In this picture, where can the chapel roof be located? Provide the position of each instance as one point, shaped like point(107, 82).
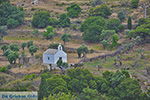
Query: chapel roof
point(51, 51)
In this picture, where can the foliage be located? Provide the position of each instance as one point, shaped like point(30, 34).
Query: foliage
point(29, 77)
point(122, 15)
point(2, 1)
point(64, 20)
point(11, 16)
point(3, 69)
point(80, 82)
point(113, 24)
point(30, 43)
point(134, 3)
point(53, 22)
point(102, 10)
point(90, 94)
point(66, 38)
point(23, 45)
point(49, 34)
point(115, 39)
point(73, 10)
point(92, 28)
point(143, 30)
point(61, 96)
point(4, 48)
point(59, 62)
point(14, 47)
point(107, 34)
point(33, 49)
point(82, 50)
point(129, 23)
point(12, 56)
point(40, 19)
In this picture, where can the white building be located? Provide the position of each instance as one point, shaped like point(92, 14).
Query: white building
point(51, 56)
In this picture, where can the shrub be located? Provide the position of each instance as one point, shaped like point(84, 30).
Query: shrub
point(134, 3)
point(40, 19)
point(113, 24)
point(129, 23)
point(92, 28)
point(122, 15)
point(64, 20)
point(102, 10)
point(96, 2)
point(53, 22)
point(11, 16)
point(29, 77)
point(3, 69)
point(73, 10)
point(49, 34)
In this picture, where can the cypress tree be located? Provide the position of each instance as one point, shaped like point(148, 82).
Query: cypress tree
point(129, 23)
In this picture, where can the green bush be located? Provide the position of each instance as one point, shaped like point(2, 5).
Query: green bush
point(122, 15)
point(92, 28)
point(3, 69)
point(64, 20)
point(11, 16)
point(29, 77)
point(73, 10)
point(102, 10)
point(113, 24)
point(134, 3)
point(40, 19)
point(129, 23)
point(53, 22)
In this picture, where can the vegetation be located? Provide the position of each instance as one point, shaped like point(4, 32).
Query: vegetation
point(64, 20)
point(82, 50)
point(83, 85)
point(102, 10)
point(134, 3)
point(40, 19)
point(11, 16)
point(74, 10)
point(49, 34)
point(129, 23)
point(33, 49)
point(66, 38)
point(92, 28)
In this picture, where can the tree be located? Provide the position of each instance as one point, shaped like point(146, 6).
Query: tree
point(107, 34)
point(61, 96)
point(4, 48)
point(105, 43)
point(66, 38)
point(23, 45)
point(33, 49)
point(73, 10)
point(53, 22)
point(122, 15)
point(14, 47)
point(134, 3)
point(113, 24)
point(115, 39)
point(82, 50)
point(11, 15)
point(90, 94)
point(102, 10)
point(30, 43)
point(128, 89)
point(41, 19)
point(49, 34)
point(12, 23)
point(12, 57)
point(64, 20)
point(92, 28)
point(129, 23)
